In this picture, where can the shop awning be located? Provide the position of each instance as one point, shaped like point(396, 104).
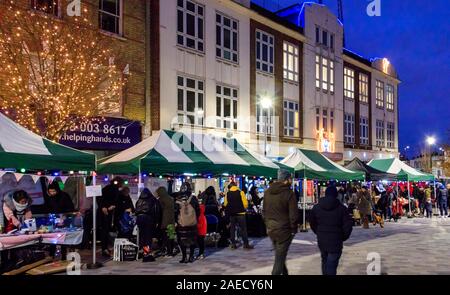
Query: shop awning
point(371, 173)
point(313, 165)
point(403, 171)
point(170, 152)
point(21, 148)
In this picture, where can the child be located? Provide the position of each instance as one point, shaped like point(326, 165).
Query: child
point(429, 207)
point(202, 229)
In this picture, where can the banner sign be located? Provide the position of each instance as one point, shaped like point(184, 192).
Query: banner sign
point(103, 133)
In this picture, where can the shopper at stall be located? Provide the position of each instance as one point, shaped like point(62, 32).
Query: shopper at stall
point(280, 215)
point(254, 195)
point(187, 211)
point(148, 217)
point(442, 200)
point(364, 206)
point(123, 212)
point(390, 196)
point(107, 204)
point(235, 207)
point(211, 204)
point(333, 225)
point(167, 220)
point(202, 227)
point(57, 201)
point(16, 209)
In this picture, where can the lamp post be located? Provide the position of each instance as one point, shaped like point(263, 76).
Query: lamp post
point(431, 140)
point(266, 104)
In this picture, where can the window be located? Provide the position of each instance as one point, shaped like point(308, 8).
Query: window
point(227, 32)
point(390, 130)
point(317, 71)
point(331, 121)
point(290, 62)
point(380, 133)
point(364, 131)
point(332, 41)
point(325, 120)
point(264, 116)
point(291, 119)
point(226, 107)
point(317, 34)
point(324, 74)
point(46, 6)
point(317, 119)
point(264, 52)
point(379, 94)
point(190, 22)
point(109, 13)
point(389, 97)
point(190, 101)
point(349, 83)
point(325, 38)
point(349, 128)
point(363, 88)
point(331, 76)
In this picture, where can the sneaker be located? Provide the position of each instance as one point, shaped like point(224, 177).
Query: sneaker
point(148, 258)
point(191, 259)
point(249, 247)
point(200, 257)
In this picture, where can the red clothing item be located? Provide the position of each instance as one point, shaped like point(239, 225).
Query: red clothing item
point(201, 224)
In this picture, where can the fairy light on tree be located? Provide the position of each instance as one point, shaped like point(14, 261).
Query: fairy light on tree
point(52, 71)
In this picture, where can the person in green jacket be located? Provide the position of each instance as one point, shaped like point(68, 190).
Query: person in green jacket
point(167, 220)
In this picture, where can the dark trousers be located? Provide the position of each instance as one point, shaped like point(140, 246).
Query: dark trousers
point(281, 247)
point(443, 207)
point(429, 210)
point(184, 250)
point(330, 262)
point(238, 220)
point(106, 228)
point(167, 244)
point(201, 245)
point(147, 230)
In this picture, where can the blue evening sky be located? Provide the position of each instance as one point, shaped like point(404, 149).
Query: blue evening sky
point(414, 35)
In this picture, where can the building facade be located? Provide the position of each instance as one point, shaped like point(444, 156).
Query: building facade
point(221, 62)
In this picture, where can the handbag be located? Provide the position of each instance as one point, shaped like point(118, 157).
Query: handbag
point(356, 214)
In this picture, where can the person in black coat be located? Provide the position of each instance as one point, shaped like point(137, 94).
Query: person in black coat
point(107, 205)
point(148, 213)
point(57, 201)
point(124, 206)
point(333, 225)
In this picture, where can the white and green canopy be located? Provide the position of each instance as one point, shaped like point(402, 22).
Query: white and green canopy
point(311, 164)
point(402, 170)
point(21, 148)
point(170, 152)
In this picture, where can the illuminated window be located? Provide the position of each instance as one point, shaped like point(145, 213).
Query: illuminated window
point(380, 133)
point(264, 52)
point(325, 74)
point(264, 116)
point(349, 83)
point(331, 76)
point(109, 13)
point(226, 107)
point(46, 6)
point(389, 97)
point(390, 134)
point(190, 101)
point(290, 62)
point(190, 25)
point(291, 119)
point(379, 94)
point(349, 128)
point(364, 131)
point(227, 38)
point(317, 71)
point(363, 88)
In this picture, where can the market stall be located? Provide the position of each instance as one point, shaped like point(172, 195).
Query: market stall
point(371, 173)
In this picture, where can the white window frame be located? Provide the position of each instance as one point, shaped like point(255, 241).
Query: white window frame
point(364, 131)
point(349, 128)
point(222, 121)
point(291, 111)
point(318, 73)
point(390, 97)
point(363, 88)
point(270, 44)
point(199, 41)
point(261, 117)
point(233, 50)
point(379, 94)
point(331, 63)
point(324, 74)
point(390, 135)
point(349, 83)
point(199, 109)
point(118, 17)
point(380, 142)
point(290, 62)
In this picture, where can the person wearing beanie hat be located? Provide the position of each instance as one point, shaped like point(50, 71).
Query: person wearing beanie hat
point(333, 225)
point(280, 215)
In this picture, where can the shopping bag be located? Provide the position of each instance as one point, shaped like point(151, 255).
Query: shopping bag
point(356, 214)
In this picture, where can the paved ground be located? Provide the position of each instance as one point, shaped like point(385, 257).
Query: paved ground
point(411, 246)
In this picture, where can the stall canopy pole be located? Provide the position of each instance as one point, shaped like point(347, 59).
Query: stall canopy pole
point(435, 197)
point(305, 181)
point(139, 181)
point(94, 264)
point(409, 199)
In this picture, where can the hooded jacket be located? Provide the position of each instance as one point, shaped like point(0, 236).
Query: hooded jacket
point(59, 203)
point(148, 205)
point(280, 211)
point(235, 202)
point(12, 216)
point(331, 223)
point(202, 225)
point(167, 207)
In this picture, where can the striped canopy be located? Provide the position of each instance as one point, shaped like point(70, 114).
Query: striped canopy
point(311, 164)
point(170, 152)
point(21, 148)
point(402, 170)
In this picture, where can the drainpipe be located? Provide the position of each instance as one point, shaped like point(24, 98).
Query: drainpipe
point(148, 118)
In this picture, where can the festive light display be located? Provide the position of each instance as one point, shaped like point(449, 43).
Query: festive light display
point(53, 70)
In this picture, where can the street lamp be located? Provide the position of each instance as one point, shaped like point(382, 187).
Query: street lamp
point(266, 104)
point(431, 140)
